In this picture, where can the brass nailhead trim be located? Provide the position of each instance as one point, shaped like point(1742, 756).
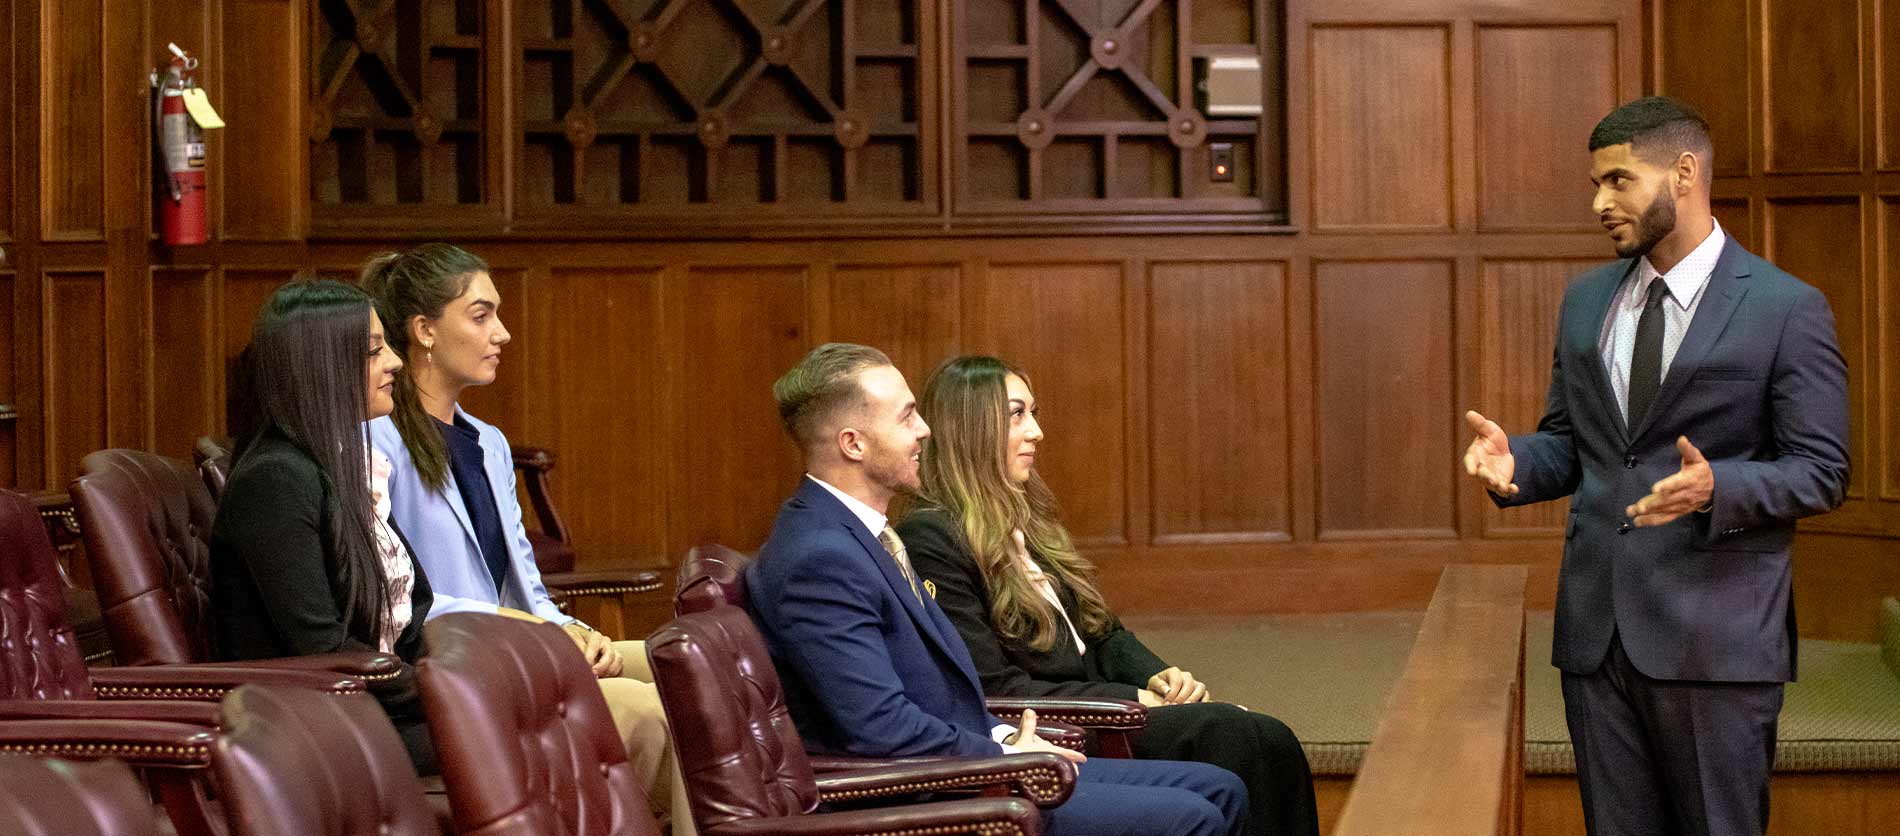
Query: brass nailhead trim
point(618, 589)
point(988, 828)
point(1094, 721)
point(184, 692)
point(109, 750)
point(1039, 784)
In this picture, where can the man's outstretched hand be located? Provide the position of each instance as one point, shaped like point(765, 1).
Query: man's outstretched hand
point(1689, 490)
point(1489, 457)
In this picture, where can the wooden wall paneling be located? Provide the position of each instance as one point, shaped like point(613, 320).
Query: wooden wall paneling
point(1383, 383)
point(910, 312)
point(599, 403)
point(72, 140)
point(1736, 218)
point(8, 57)
point(1812, 108)
point(1517, 323)
point(187, 368)
point(262, 180)
point(127, 130)
point(1888, 306)
point(741, 327)
point(1818, 240)
point(1887, 76)
point(1380, 128)
point(1530, 152)
point(75, 374)
point(1218, 402)
point(1064, 324)
point(10, 407)
point(1700, 50)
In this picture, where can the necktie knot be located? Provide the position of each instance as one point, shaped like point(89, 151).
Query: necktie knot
point(1657, 290)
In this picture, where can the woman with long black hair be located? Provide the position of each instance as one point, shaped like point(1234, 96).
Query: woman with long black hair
point(304, 558)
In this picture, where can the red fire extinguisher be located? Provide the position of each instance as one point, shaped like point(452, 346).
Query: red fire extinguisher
point(183, 115)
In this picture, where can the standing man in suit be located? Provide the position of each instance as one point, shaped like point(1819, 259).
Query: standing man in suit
point(870, 666)
point(1697, 408)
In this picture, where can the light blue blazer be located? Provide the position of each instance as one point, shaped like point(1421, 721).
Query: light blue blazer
point(443, 539)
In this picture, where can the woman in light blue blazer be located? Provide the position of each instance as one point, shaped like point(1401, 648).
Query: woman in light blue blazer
point(452, 485)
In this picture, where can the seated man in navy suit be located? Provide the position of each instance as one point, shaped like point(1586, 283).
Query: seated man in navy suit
point(871, 667)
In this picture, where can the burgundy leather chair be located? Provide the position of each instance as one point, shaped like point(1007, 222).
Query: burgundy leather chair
point(291, 762)
point(747, 772)
point(43, 677)
point(523, 734)
point(553, 549)
point(714, 576)
point(147, 520)
point(47, 797)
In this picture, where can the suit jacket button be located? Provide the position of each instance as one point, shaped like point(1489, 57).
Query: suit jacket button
point(1624, 528)
point(1629, 462)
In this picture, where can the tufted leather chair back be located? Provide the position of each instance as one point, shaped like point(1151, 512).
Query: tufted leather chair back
point(523, 734)
point(146, 520)
point(737, 747)
point(39, 655)
point(299, 761)
point(214, 464)
point(710, 576)
point(47, 797)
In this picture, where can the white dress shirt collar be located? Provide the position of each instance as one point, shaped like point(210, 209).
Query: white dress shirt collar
point(871, 517)
point(1688, 277)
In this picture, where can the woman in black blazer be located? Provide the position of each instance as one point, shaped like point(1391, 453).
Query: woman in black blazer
point(303, 557)
point(985, 540)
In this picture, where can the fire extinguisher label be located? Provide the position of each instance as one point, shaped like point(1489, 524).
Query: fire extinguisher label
point(195, 154)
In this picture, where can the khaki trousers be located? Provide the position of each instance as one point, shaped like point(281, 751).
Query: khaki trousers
point(635, 706)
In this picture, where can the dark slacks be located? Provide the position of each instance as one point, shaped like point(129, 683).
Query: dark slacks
point(1150, 798)
point(1257, 747)
point(1670, 757)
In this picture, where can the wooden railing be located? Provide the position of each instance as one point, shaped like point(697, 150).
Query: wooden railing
point(1448, 756)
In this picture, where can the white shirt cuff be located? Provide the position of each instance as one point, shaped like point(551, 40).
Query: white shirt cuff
point(1002, 733)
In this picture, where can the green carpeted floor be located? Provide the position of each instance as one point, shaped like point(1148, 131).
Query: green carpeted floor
point(1327, 677)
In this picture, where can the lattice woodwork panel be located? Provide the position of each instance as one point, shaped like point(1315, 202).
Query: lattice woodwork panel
point(1089, 105)
point(396, 102)
point(702, 104)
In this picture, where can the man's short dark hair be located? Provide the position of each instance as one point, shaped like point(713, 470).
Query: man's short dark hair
point(821, 385)
point(1658, 129)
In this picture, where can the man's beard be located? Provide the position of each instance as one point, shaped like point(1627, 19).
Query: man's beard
point(1652, 226)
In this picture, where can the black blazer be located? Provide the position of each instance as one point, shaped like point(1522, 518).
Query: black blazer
point(271, 565)
point(1117, 664)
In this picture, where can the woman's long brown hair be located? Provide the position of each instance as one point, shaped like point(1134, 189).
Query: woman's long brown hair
point(966, 473)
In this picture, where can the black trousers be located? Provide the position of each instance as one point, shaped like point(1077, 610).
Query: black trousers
point(1662, 757)
point(1259, 749)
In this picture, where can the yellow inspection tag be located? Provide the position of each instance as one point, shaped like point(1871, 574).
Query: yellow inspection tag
point(201, 110)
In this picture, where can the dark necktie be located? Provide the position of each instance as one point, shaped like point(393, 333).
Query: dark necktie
point(1646, 359)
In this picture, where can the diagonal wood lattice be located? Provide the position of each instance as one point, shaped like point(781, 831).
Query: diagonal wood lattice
point(720, 102)
point(395, 103)
point(1105, 115)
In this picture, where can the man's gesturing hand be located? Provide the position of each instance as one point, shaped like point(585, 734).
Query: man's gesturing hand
point(1489, 456)
point(1689, 490)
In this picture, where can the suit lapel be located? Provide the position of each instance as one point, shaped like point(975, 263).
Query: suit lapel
point(817, 497)
point(1589, 333)
point(1719, 301)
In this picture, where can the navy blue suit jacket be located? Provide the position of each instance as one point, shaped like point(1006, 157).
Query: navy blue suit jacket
point(868, 669)
point(1760, 387)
